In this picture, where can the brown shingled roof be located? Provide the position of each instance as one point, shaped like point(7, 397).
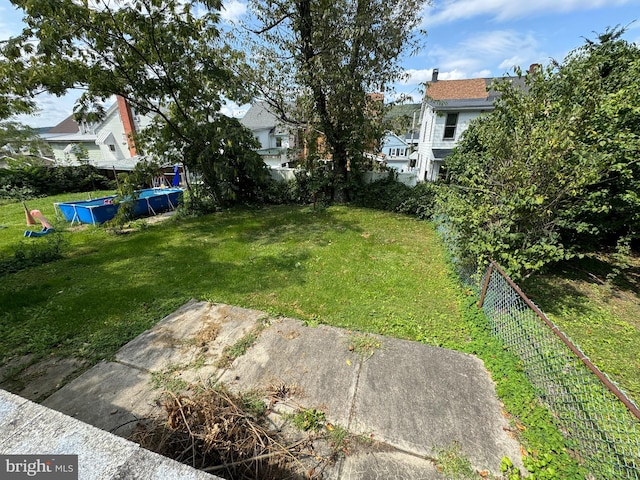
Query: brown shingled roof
point(457, 89)
point(68, 125)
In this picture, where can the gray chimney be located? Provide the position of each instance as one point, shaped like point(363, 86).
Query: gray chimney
point(434, 75)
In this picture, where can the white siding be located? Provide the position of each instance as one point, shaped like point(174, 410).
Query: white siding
point(264, 138)
point(112, 123)
point(70, 159)
point(432, 136)
point(438, 131)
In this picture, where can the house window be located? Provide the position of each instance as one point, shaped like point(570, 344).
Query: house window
point(450, 126)
point(278, 142)
point(112, 147)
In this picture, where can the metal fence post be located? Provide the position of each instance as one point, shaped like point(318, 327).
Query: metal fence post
point(485, 285)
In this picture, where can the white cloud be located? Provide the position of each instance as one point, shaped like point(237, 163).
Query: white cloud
point(482, 53)
point(233, 10)
point(416, 77)
point(499, 43)
point(52, 109)
point(509, 63)
point(447, 11)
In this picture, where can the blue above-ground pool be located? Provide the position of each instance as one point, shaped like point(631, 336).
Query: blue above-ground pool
point(99, 210)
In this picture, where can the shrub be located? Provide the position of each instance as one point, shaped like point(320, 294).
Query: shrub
point(32, 181)
point(420, 201)
point(280, 192)
point(386, 194)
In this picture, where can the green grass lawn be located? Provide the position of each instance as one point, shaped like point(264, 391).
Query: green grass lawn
point(354, 268)
point(360, 269)
point(600, 314)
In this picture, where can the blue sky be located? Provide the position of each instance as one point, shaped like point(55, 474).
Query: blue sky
point(465, 38)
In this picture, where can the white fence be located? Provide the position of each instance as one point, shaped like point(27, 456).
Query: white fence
point(284, 174)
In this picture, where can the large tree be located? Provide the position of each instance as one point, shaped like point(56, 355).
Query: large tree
point(554, 170)
point(165, 57)
point(317, 61)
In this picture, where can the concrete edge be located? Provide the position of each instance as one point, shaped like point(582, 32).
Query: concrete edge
point(27, 428)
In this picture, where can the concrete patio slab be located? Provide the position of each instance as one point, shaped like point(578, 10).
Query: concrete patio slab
point(411, 399)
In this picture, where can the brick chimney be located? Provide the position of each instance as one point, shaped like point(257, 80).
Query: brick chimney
point(434, 75)
point(534, 67)
point(127, 122)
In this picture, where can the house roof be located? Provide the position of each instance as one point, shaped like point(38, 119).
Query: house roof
point(71, 137)
point(457, 89)
point(390, 136)
point(462, 104)
point(259, 117)
point(468, 94)
point(68, 125)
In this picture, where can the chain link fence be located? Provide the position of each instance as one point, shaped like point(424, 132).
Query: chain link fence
point(601, 424)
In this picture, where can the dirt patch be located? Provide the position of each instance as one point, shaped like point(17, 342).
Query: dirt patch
point(207, 334)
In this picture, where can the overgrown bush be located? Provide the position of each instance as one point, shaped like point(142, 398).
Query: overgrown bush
point(13, 193)
point(34, 181)
point(313, 185)
point(279, 192)
point(393, 196)
point(421, 201)
point(552, 172)
point(385, 194)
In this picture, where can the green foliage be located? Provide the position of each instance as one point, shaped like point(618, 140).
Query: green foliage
point(364, 345)
point(594, 302)
point(547, 452)
point(129, 185)
point(237, 257)
point(12, 192)
point(231, 352)
point(33, 181)
point(80, 152)
point(386, 194)
point(309, 419)
point(168, 381)
point(337, 53)
point(22, 143)
point(454, 464)
point(421, 201)
point(278, 192)
point(391, 195)
point(314, 183)
point(553, 169)
point(179, 71)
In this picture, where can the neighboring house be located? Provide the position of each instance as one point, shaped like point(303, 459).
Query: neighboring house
point(275, 138)
point(107, 143)
point(400, 140)
point(447, 109)
point(395, 152)
point(65, 138)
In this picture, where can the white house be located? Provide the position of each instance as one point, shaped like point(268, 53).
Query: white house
point(107, 142)
point(275, 137)
point(395, 151)
point(447, 109)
